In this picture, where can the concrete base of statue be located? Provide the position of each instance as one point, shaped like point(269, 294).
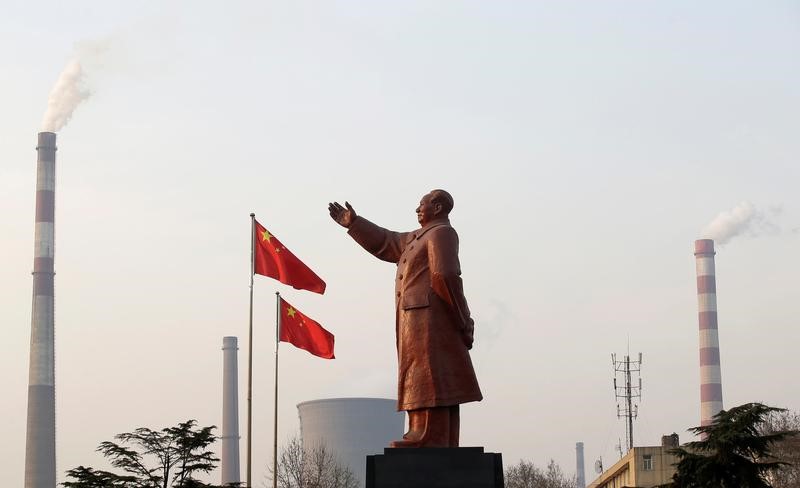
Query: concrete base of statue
point(449, 467)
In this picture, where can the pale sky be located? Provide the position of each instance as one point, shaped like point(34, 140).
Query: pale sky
point(586, 144)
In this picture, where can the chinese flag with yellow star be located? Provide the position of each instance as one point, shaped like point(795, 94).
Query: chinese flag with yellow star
point(301, 331)
point(271, 258)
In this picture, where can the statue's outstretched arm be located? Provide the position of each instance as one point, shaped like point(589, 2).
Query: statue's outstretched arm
point(382, 243)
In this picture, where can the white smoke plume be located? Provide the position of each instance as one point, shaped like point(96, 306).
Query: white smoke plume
point(68, 92)
point(744, 218)
point(90, 59)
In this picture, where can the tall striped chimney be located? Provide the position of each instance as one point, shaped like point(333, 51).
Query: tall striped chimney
point(230, 411)
point(710, 374)
point(40, 441)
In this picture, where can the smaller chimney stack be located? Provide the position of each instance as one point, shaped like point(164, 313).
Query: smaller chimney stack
point(230, 411)
point(580, 477)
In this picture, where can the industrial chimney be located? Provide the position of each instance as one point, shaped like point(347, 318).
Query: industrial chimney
point(230, 411)
point(580, 476)
point(40, 441)
point(710, 374)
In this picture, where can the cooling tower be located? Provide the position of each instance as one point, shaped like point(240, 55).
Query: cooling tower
point(351, 428)
point(580, 473)
point(710, 374)
point(40, 440)
point(229, 457)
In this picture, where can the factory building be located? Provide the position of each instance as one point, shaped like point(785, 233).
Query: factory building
point(642, 467)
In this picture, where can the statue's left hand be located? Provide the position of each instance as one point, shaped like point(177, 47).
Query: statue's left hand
point(468, 334)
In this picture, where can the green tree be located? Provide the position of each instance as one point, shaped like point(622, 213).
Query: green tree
point(732, 453)
point(166, 458)
point(90, 478)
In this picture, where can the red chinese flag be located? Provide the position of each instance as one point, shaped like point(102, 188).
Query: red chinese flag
point(304, 333)
point(271, 258)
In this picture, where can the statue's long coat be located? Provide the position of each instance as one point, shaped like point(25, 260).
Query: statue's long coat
point(432, 317)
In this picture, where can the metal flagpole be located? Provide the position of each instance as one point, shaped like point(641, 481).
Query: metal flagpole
point(250, 357)
point(275, 425)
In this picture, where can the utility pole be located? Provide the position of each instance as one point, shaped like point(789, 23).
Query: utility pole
point(627, 392)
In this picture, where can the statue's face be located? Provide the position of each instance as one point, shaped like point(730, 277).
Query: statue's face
point(427, 210)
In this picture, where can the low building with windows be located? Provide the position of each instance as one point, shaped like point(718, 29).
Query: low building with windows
point(642, 467)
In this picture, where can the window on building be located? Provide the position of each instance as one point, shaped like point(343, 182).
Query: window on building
point(647, 462)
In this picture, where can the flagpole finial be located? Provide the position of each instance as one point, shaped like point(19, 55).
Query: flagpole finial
point(252, 214)
point(278, 293)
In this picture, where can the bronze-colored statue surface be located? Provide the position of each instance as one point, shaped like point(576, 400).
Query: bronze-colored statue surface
point(433, 324)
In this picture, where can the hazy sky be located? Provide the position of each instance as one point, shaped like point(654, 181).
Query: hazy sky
point(586, 144)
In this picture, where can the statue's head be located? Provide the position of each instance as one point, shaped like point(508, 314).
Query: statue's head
point(435, 205)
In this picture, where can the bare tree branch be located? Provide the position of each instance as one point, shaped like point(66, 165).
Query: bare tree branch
point(317, 467)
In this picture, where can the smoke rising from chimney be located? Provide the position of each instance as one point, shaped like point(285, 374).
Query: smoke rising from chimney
point(744, 218)
point(68, 92)
point(89, 59)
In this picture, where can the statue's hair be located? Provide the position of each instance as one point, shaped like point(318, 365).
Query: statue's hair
point(443, 198)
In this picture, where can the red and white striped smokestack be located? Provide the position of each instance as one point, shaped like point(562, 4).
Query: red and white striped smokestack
point(710, 374)
point(40, 442)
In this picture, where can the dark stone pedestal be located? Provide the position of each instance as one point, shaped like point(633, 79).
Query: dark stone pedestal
point(452, 467)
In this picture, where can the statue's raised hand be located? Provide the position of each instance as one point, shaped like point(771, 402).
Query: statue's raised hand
point(343, 216)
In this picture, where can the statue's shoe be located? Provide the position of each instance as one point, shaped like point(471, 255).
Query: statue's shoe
point(405, 443)
point(412, 435)
point(416, 443)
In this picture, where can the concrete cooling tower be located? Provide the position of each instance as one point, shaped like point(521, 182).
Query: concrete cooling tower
point(351, 428)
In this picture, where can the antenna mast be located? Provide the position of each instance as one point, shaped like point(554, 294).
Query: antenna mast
point(627, 392)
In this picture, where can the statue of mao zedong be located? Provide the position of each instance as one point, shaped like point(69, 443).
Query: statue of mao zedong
point(432, 320)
